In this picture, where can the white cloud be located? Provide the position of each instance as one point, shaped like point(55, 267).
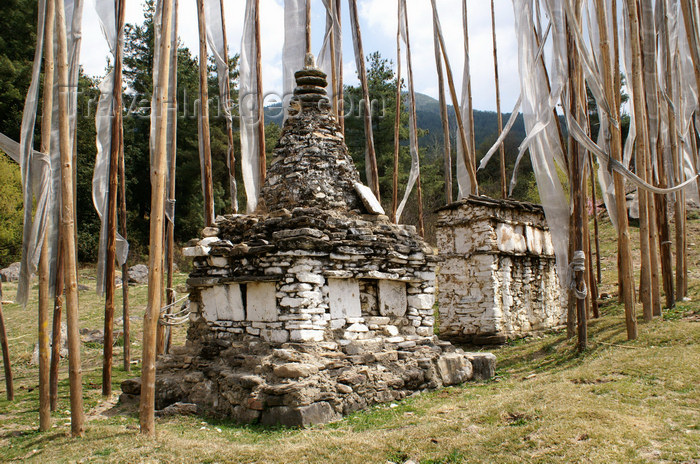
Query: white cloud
point(378, 23)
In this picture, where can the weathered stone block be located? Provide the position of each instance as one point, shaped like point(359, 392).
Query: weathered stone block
point(222, 303)
point(178, 409)
point(453, 368)
point(392, 298)
point(484, 365)
point(368, 199)
point(275, 336)
point(316, 413)
point(344, 298)
point(421, 301)
point(391, 330)
point(306, 335)
point(311, 278)
point(362, 346)
point(294, 370)
point(261, 302)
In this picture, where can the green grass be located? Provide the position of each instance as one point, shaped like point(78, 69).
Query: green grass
point(619, 401)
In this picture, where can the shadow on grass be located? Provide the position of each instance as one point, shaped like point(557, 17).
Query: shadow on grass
point(554, 352)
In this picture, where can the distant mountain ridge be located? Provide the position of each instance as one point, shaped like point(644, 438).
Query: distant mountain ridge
point(428, 118)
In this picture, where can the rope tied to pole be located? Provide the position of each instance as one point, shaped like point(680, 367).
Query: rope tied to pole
point(577, 264)
point(178, 318)
point(166, 307)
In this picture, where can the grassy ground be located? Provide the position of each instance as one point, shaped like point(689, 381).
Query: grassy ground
point(620, 401)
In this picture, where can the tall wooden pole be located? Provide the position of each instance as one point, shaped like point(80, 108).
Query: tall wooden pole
point(261, 108)
point(205, 143)
point(412, 109)
point(231, 158)
point(9, 384)
point(576, 179)
point(470, 106)
point(666, 243)
point(617, 153)
point(68, 229)
point(126, 322)
point(640, 157)
point(688, 20)
point(679, 203)
point(397, 126)
point(502, 150)
point(471, 168)
point(594, 276)
point(334, 74)
point(653, 247)
point(110, 264)
point(596, 227)
point(163, 331)
point(341, 97)
point(444, 117)
point(369, 135)
point(611, 80)
point(56, 339)
point(155, 271)
point(647, 43)
point(308, 26)
point(44, 266)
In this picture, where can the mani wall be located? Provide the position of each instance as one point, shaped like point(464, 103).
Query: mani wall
point(497, 278)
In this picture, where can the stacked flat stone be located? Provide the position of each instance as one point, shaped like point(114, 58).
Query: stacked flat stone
point(310, 93)
point(303, 250)
point(311, 166)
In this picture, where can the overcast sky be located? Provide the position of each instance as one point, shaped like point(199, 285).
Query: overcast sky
point(378, 25)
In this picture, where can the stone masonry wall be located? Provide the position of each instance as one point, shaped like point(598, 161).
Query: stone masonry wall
point(498, 276)
point(271, 280)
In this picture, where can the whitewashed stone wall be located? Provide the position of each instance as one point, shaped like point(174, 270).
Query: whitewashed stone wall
point(498, 276)
point(345, 290)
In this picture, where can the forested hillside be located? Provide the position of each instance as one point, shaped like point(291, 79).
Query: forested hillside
point(17, 19)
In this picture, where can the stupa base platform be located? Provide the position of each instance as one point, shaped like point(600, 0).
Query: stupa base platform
point(298, 385)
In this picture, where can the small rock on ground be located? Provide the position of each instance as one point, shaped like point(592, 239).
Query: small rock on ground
point(10, 273)
point(138, 274)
